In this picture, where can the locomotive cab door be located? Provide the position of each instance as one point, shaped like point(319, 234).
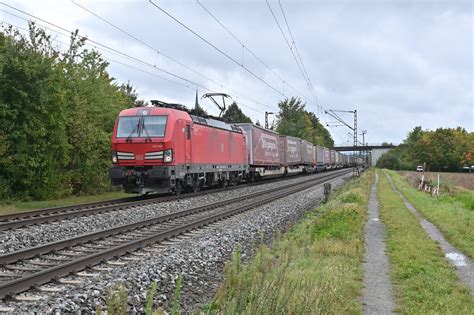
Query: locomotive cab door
point(187, 145)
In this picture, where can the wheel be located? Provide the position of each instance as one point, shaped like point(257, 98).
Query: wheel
point(178, 187)
point(195, 184)
point(223, 183)
point(232, 181)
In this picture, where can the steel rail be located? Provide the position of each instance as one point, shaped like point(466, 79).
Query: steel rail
point(24, 283)
point(13, 221)
point(58, 245)
point(38, 212)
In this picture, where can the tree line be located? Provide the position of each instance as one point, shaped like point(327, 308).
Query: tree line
point(57, 112)
point(445, 149)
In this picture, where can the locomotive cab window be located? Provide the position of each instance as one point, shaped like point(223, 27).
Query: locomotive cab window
point(154, 126)
point(128, 126)
point(141, 126)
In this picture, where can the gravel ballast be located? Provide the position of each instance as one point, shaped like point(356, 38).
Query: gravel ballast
point(199, 259)
point(27, 237)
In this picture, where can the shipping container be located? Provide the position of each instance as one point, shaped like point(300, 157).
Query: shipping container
point(327, 156)
point(307, 152)
point(290, 147)
point(333, 157)
point(315, 154)
point(319, 155)
point(262, 145)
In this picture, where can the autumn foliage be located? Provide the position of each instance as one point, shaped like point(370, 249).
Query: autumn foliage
point(447, 149)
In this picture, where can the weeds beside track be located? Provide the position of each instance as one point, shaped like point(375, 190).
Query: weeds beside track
point(314, 268)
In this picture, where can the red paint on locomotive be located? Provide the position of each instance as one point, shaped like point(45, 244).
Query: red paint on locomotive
point(161, 149)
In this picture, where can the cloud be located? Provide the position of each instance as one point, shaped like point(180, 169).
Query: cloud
point(399, 63)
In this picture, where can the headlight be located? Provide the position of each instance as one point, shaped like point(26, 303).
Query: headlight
point(168, 155)
point(114, 157)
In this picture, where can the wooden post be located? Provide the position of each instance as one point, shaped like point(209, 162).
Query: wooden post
point(327, 191)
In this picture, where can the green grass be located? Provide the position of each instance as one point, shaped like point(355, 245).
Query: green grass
point(314, 268)
point(424, 282)
point(452, 213)
point(20, 206)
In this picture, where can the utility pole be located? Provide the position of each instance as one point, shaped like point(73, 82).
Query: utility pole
point(266, 118)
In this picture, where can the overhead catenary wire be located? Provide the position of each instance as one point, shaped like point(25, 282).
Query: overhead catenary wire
point(289, 45)
point(109, 59)
point(127, 56)
point(246, 48)
point(313, 92)
point(217, 48)
point(299, 63)
point(165, 55)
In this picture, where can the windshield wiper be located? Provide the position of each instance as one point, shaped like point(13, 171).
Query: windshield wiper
point(131, 133)
point(146, 131)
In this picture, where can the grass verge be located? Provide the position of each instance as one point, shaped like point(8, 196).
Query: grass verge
point(452, 213)
point(21, 206)
point(424, 282)
point(314, 268)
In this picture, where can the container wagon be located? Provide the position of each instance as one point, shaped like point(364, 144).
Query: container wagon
point(263, 153)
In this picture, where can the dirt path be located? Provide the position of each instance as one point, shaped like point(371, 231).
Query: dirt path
point(377, 297)
point(464, 266)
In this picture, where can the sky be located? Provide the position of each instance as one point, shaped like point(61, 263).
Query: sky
point(400, 64)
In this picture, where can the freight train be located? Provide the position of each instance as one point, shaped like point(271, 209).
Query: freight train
point(166, 148)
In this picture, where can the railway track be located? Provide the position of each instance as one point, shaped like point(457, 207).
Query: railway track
point(13, 221)
point(38, 265)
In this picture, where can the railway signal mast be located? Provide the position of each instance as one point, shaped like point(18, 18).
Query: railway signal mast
point(266, 118)
point(364, 132)
point(333, 114)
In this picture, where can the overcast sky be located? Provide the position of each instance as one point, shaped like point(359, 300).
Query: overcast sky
point(399, 63)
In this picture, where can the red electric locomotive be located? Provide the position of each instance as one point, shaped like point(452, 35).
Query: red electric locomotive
point(164, 148)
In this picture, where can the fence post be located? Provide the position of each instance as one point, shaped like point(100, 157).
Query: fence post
point(327, 191)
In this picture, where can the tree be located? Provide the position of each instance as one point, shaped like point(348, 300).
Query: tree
point(320, 134)
point(32, 117)
point(234, 114)
point(129, 91)
point(294, 120)
point(57, 113)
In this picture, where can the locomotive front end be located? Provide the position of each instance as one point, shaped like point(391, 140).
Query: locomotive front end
point(143, 150)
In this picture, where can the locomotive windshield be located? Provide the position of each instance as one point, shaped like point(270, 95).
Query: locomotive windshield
point(141, 126)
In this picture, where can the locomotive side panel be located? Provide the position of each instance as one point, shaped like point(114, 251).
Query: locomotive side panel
point(213, 146)
point(237, 148)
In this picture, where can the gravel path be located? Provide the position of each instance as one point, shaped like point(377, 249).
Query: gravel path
point(200, 259)
point(377, 297)
point(26, 237)
point(464, 266)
